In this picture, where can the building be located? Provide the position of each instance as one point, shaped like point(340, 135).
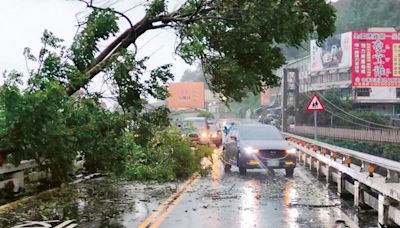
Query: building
point(333, 66)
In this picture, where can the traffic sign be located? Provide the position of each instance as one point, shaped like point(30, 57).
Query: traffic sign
point(315, 104)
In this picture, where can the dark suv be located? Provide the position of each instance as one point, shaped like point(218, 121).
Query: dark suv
point(254, 146)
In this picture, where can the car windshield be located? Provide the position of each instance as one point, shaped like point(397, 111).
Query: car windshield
point(199, 124)
point(259, 133)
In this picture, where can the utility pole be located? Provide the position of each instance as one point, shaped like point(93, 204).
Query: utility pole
point(296, 95)
point(284, 100)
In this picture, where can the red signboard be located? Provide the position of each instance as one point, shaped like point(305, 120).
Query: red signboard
point(376, 59)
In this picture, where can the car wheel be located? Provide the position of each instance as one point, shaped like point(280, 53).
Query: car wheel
point(289, 172)
point(242, 170)
point(227, 167)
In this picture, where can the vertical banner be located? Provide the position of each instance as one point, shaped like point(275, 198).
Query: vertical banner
point(375, 59)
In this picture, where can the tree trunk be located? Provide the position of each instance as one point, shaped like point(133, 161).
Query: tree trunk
point(123, 41)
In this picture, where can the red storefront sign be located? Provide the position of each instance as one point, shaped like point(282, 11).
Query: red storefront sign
point(375, 59)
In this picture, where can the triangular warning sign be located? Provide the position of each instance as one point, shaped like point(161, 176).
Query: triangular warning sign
point(315, 104)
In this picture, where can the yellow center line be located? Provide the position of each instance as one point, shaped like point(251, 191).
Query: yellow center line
point(161, 213)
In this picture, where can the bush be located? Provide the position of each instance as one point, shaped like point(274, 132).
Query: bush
point(167, 157)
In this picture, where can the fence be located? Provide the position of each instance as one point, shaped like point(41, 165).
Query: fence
point(355, 173)
point(25, 171)
point(392, 136)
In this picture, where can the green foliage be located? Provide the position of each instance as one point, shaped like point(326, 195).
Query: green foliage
point(131, 91)
point(101, 24)
point(156, 7)
point(36, 128)
point(167, 157)
point(248, 105)
point(100, 136)
point(240, 50)
point(148, 124)
point(196, 75)
point(206, 114)
point(372, 117)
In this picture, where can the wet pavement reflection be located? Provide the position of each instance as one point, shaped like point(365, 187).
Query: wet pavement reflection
point(264, 199)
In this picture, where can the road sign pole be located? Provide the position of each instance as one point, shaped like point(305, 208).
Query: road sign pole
point(315, 125)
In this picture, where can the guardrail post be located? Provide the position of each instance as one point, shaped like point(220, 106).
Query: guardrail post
point(383, 210)
point(318, 169)
point(299, 155)
point(18, 180)
point(364, 166)
point(340, 183)
point(358, 194)
point(392, 177)
point(328, 174)
point(311, 163)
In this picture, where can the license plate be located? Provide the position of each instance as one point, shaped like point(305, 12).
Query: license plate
point(273, 163)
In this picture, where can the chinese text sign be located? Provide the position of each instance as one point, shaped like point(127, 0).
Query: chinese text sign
point(376, 59)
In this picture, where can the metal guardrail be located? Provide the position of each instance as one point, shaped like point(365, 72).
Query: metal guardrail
point(370, 159)
point(338, 165)
point(392, 136)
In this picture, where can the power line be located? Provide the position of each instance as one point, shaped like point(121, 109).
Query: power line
point(355, 117)
point(349, 114)
point(349, 121)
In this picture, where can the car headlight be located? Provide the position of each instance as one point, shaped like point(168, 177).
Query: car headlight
point(250, 150)
point(204, 135)
point(291, 151)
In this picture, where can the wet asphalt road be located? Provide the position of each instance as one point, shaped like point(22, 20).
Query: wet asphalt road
point(259, 199)
point(263, 199)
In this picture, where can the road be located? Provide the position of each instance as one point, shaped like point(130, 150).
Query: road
point(262, 199)
point(259, 199)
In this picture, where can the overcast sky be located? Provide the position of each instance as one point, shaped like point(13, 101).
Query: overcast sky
point(23, 22)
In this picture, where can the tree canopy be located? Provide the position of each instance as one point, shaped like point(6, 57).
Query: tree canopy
point(237, 42)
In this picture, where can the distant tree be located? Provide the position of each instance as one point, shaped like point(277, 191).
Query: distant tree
point(363, 14)
point(196, 75)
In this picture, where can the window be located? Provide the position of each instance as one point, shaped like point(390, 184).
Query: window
point(364, 108)
point(324, 78)
point(397, 109)
point(346, 92)
point(344, 76)
point(398, 92)
point(363, 92)
point(313, 79)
